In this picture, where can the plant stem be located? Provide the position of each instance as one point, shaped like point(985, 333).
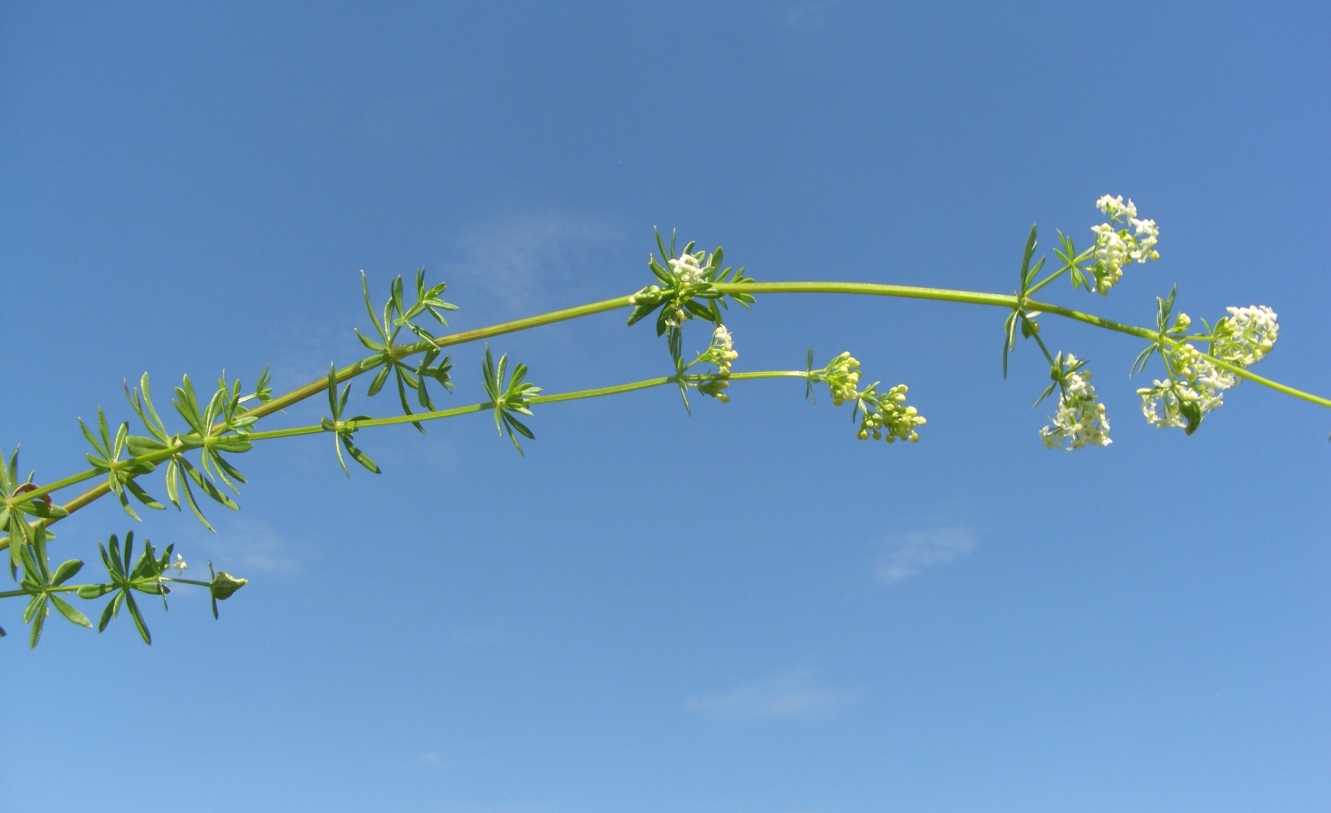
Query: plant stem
point(1006, 301)
point(1037, 286)
point(576, 395)
point(402, 351)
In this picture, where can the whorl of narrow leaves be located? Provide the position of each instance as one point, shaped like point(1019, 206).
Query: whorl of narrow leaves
point(15, 511)
point(126, 575)
point(686, 292)
point(388, 356)
point(217, 428)
point(344, 428)
point(42, 585)
point(508, 394)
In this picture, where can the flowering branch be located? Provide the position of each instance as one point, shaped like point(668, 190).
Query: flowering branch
point(1199, 368)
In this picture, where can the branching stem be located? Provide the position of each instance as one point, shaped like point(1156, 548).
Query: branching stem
point(1004, 301)
point(317, 429)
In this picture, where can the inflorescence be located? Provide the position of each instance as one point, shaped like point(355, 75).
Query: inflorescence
point(1116, 247)
point(1197, 381)
point(1080, 418)
point(690, 285)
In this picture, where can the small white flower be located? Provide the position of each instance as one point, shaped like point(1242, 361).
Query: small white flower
point(1115, 207)
point(1079, 419)
point(688, 268)
point(1196, 380)
point(722, 353)
point(1246, 335)
point(1117, 247)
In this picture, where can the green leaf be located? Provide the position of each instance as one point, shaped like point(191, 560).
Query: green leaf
point(369, 307)
point(117, 486)
point(139, 445)
point(371, 345)
point(37, 611)
point(138, 619)
point(521, 428)
point(357, 455)
point(91, 591)
point(1164, 308)
point(68, 611)
point(92, 439)
point(38, 507)
point(66, 571)
point(112, 609)
point(1009, 338)
point(189, 496)
point(208, 488)
point(234, 445)
point(642, 312)
point(1139, 363)
point(105, 432)
point(379, 379)
point(808, 377)
point(1048, 392)
point(663, 276)
point(187, 405)
point(143, 496)
point(1024, 277)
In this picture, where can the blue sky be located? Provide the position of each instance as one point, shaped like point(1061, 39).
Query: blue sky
point(745, 610)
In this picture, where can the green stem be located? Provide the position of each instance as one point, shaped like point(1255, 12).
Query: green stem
point(70, 588)
point(418, 416)
point(401, 351)
point(1006, 301)
point(56, 485)
point(1037, 286)
point(1266, 382)
point(1040, 342)
point(158, 456)
point(64, 588)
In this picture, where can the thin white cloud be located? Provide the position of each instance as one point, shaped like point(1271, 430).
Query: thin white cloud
point(481, 635)
point(909, 554)
point(792, 696)
point(521, 260)
point(245, 546)
point(805, 15)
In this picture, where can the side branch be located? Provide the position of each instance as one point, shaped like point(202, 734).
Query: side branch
point(1005, 301)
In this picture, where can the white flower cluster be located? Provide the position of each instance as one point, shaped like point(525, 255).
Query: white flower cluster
point(1246, 335)
point(722, 353)
point(689, 268)
point(1240, 339)
point(178, 564)
point(1117, 247)
point(1080, 419)
point(723, 350)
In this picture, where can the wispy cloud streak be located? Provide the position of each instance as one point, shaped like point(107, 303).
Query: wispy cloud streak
point(911, 553)
point(792, 696)
point(520, 261)
point(247, 546)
